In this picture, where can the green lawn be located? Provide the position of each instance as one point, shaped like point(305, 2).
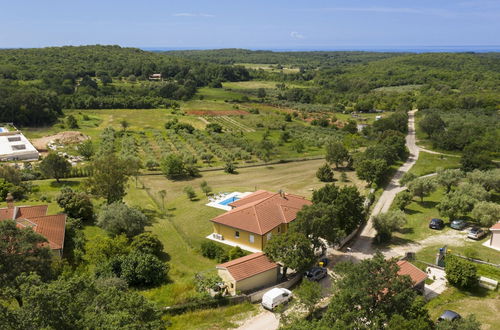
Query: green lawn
point(218, 94)
point(215, 318)
point(45, 192)
point(418, 216)
point(471, 248)
point(429, 163)
point(482, 303)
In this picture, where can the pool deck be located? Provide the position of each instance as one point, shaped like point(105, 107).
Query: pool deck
point(223, 197)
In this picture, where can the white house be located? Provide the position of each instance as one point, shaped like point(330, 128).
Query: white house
point(15, 146)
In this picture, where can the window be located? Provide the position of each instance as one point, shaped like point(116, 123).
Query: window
point(279, 229)
point(237, 234)
point(252, 239)
point(232, 285)
point(269, 235)
point(19, 147)
point(14, 139)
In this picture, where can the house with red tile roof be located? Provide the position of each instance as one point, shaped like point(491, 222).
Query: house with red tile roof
point(248, 273)
point(52, 227)
point(255, 218)
point(417, 275)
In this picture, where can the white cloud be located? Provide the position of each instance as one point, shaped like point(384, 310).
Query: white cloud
point(296, 35)
point(193, 15)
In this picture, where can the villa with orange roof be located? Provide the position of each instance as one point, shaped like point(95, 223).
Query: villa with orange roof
point(254, 219)
point(52, 227)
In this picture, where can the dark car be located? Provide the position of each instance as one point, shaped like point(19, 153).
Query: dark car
point(476, 233)
point(316, 273)
point(458, 224)
point(436, 224)
point(449, 316)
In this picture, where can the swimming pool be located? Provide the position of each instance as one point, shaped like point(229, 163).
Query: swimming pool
point(228, 200)
point(1, 129)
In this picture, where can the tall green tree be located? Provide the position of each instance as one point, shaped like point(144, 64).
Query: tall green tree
point(55, 166)
point(449, 178)
point(422, 187)
point(368, 294)
point(336, 153)
point(118, 218)
point(291, 250)
point(371, 170)
point(83, 303)
point(486, 213)
point(77, 205)
point(108, 178)
point(309, 294)
point(386, 223)
point(22, 251)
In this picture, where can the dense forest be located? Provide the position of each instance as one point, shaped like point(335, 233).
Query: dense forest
point(36, 83)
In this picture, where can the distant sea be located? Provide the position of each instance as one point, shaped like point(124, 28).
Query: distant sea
point(399, 49)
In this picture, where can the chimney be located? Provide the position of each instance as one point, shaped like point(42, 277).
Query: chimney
point(10, 201)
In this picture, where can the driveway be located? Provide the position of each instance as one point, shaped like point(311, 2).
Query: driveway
point(362, 247)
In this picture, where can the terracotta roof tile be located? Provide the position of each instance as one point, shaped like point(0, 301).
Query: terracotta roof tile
point(31, 211)
point(496, 226)
point(407, 268)
point(260, 216)
point(52, 227)
point(6, 213)
point(248, 266)
point(253, 197)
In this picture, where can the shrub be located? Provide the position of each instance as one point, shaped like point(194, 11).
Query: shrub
point(213, 251)
point(235, 253)
point(325, 173)
point(142, 269)
point(229, 167)
point(190, 193)
point(147, 243)
point(460, 273)
point(118, 218)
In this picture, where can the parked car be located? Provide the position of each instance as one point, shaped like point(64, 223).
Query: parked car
point(316, 273)
point(436, 224)
point(458, 224)
point(476, 233)
point(275, 297)
point(449, 315)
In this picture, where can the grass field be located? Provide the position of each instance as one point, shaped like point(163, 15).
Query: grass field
point(418, 215)
point(429, 163)
point(482, 303)
point(216, 318)
point(267, 67)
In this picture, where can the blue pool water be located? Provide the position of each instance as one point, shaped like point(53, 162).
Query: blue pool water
point(228, 200)
point(1, 129)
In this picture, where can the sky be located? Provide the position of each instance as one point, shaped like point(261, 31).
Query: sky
point(254, 24)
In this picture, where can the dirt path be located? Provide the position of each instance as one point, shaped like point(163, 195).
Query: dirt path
point(362, 247)
point(450, 238)
point(265, 320)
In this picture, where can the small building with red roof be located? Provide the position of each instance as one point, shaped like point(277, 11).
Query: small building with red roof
point(52, 227)
point(248, 273)
point(254, 219)
point(417, 275)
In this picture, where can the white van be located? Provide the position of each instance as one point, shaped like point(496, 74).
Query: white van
point(275, 297)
